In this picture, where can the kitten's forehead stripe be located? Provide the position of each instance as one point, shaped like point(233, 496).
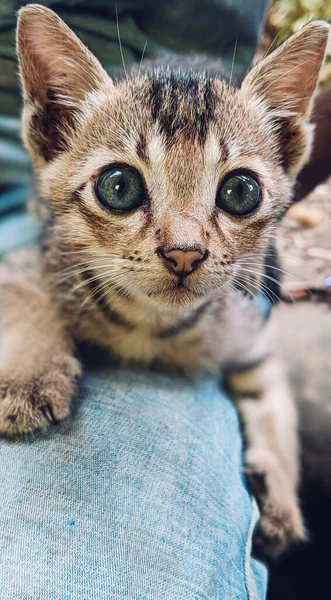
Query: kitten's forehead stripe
point(182, 103)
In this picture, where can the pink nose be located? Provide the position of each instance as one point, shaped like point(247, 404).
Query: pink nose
point(183, 262)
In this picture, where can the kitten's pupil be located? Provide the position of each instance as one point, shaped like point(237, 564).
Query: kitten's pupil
point(117, 181)
point(119, 186)
point(240, 190)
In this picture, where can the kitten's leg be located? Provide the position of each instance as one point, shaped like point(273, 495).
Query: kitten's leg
point(269, 418)
point(37, 367)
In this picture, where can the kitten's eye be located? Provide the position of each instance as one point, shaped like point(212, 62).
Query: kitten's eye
point(120, 189)
point(239, 194)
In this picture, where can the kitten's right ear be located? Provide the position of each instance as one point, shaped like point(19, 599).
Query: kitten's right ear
point(285, 82)
point(57, 73)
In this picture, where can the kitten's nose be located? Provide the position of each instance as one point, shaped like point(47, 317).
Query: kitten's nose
point(183, 262)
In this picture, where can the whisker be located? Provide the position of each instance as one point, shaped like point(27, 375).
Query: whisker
point(109, 286)
point(100, 276)
point(270, 266)
point(269, 291)
point(260, 274)
point(142, 56)
point(243, 287)
point(119, 41)
point(261, 288)
point(285, 74)
point(278, 253)
point(233, 59)
point(92, 293)
point(272, 44)
point(74, 272)
point(116, 277)
point(86, 250)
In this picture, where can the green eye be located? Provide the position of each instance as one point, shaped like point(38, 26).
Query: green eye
point(120, 189)
point(239, 194)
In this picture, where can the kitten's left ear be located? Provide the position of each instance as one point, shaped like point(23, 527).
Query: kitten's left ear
point(57, 73)
point(285, 82)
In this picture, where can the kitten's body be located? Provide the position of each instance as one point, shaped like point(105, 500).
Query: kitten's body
point(106, 278)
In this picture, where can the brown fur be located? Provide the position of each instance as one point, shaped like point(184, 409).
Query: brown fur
point(102, 276)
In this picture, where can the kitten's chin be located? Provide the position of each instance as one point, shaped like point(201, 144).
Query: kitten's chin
point(179, 297)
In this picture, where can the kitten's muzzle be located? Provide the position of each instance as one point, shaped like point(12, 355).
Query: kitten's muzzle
point(182, 262)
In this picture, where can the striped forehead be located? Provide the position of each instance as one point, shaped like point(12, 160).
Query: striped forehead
point(182, 105)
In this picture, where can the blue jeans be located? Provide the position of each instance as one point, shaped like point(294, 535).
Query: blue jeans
point(138, 495)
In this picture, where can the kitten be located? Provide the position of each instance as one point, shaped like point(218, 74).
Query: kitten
point(158, 196)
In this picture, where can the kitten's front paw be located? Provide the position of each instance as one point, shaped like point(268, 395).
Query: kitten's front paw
point(36, 402)
point(281, 524)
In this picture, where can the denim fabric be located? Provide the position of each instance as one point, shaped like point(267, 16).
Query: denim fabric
point(138, 496)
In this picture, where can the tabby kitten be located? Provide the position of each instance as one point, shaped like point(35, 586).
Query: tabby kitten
point(158, 195)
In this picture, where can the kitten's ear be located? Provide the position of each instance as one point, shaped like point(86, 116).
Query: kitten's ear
point(57, 72)
point(285, 81)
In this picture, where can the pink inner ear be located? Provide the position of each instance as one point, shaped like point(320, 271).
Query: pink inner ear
point(52, 57)
point(286, 81)
point(297, 85)
point(287, 78)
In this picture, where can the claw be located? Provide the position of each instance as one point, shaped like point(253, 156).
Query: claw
point(48, 413)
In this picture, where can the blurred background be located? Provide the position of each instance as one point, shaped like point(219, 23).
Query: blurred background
point(303, 328)
point(302, 320)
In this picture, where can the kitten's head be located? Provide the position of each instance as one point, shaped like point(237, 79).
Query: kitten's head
point(163, 184)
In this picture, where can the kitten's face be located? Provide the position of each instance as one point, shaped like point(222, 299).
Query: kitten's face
point(165, 183)
point(171, 143)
